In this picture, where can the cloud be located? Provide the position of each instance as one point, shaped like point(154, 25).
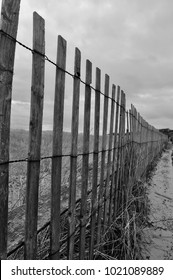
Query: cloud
point(130, 40)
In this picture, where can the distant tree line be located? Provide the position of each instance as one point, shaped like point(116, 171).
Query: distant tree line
point(168, 132)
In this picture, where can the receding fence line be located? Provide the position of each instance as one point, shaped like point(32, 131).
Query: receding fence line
point(127, 149)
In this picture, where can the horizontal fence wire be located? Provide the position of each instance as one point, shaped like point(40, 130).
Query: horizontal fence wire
point(78, 155)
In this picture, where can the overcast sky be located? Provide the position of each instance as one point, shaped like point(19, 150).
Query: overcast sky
point(131, 40)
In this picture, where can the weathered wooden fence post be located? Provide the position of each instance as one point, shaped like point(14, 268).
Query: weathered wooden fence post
point(35, 133)
point(57, 148)
point(74, 149)
point(103, 157)
point(107, 186)
point(9, 25)
point(95, 160)
point(85, 162)
point(122, 176)
point(119, 156)
point(115, 158)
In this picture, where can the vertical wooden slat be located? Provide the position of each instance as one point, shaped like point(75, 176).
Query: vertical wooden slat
point(57, 148)
point(107, 186)
point(136, 145)
point(128, 127)
point(73, 159)
point(103, 156)
point(113, 197)
point(95, 160)
point(140, 143)
point(149, 128)
point(151, 144)
point(130, 153)
point(142, 146)
point(141, 139)
point(137, 170)
point(35, 132)
point(9, 24)
point(118, 168)
point(133, 145)
point(147, 139)
point(127, 171)
point(122, 133)
point(123, 152)
point(85, 163)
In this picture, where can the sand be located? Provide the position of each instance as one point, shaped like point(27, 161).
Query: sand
point(158, 235)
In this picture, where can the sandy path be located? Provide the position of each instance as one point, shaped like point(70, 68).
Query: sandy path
point(159, 233)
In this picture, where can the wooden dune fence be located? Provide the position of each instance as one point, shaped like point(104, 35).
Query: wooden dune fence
point(128, 145)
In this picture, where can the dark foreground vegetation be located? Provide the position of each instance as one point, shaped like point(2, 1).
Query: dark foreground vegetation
point(121, 239)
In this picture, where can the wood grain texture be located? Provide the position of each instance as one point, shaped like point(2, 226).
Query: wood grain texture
point(108, 179)
point(35, 134)
point(57, 148)
point(114, 164)
point(95, 161)
point(117, 177)
point(103, 158)
point(85, 162)
point(73, 159)
point(9, 24)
